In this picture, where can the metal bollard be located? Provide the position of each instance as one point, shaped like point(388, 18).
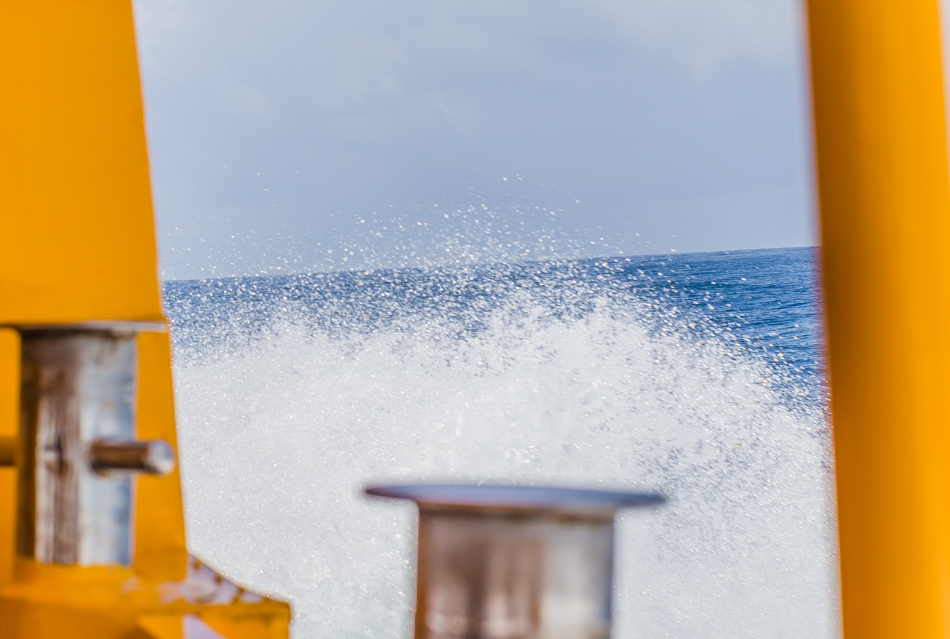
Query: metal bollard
point(507, 562)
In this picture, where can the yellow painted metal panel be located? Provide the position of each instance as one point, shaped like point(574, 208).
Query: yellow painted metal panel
point(249, 626)
point(76, 229)
point(100, 602)
point(179, 627)
point(58, 601)
point(163, 626)
point(885, 232)
point(160, 551)
point(9, 425)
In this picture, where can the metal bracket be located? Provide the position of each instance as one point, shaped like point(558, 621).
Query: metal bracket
point(76, 452)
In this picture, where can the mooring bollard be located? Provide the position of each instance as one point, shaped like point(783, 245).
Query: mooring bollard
point(514, 562)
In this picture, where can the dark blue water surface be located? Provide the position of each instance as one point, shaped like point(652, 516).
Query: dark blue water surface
point(762, 301)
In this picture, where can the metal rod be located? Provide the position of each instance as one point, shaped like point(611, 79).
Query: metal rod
point(153, 457)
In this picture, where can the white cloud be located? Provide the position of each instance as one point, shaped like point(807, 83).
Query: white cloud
point(364, 104)
point(705, 33)
point(351, 39)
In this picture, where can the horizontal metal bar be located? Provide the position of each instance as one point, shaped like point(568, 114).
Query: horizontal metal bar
point(153, 457)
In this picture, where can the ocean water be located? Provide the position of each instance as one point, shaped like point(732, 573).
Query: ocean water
point(696, 375)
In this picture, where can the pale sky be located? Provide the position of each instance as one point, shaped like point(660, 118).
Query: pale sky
point(307, 135)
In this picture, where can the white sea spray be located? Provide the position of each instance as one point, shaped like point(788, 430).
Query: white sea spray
point(279, 432)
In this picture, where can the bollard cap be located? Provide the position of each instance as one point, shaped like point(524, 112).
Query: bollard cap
point(528, 498)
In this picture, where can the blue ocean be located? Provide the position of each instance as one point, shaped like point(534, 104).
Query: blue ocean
point(697, 375)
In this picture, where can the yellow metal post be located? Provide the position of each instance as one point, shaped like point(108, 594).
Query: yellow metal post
point(885, 234)
point(77, 245)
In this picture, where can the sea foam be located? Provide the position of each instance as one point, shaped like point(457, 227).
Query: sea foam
point(280, 431)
